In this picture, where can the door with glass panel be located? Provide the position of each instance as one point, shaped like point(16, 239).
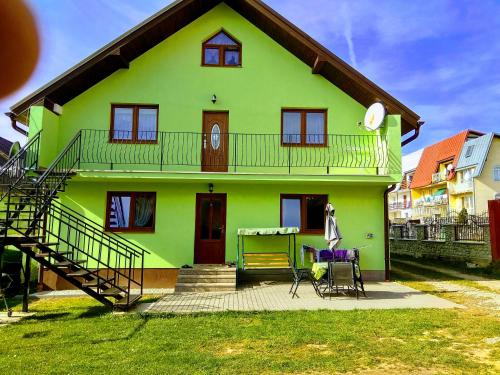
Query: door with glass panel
point(214, 142)
point(210, 229)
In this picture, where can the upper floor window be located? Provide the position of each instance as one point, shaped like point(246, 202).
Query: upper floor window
point(221, 50)
point(134, 123)
point(469, 150)
point(496, 173)
point(303, 127)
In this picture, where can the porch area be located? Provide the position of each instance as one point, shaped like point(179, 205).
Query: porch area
point(274, 296)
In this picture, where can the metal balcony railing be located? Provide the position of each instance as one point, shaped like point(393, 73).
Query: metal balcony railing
point(399, 205)
point(439, 177)
point(233, 152)
point(461, 187)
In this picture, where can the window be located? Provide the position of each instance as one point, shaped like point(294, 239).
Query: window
point(496, 173)
point(134, 123)
point(221, 50)
point(303, 127)
point(469, 150)
point(306, 212)
point(130, 212)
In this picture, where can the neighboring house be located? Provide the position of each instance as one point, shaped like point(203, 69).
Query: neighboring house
point(212, 116)
point(400, 205)
point(5, 146)
point(477, 175)
point(436, 170)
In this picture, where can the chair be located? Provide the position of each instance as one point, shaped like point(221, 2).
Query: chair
point(342, 274)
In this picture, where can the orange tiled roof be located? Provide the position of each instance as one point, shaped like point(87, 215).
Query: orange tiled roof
point(447, 149)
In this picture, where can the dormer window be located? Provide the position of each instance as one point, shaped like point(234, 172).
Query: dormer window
point(221, 50)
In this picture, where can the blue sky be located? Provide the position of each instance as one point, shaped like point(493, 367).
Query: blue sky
point(441, 58)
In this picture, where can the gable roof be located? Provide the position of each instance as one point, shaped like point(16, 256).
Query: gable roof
point(5, 146)
point(475, 152)
point(447, 149)
point(117, 55)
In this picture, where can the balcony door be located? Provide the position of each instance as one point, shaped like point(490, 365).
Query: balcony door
point(210, 230)
point(214, 142)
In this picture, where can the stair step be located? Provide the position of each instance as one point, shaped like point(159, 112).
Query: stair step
point(79, 273)
point(96, 282)
point(206, 278)
point(69, 263)
point(205, 287)
point(207, 271)
point(53, 253)
point(112, 292)
point(131, 300)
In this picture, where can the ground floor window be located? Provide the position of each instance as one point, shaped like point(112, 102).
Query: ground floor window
point(130, 211)
point(304, 211)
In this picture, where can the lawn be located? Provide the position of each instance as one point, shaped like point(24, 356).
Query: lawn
point(77, 336)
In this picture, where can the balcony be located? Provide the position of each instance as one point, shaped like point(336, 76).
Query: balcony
point(461, 187)
point(439, 177)
point(362, 155)
point(399, 205)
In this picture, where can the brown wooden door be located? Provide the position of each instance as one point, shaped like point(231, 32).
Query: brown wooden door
point(210, 233)
point(214, 143)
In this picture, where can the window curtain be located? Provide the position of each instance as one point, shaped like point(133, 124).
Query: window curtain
point(143, 211)
point(147, 124)
point(315, 128)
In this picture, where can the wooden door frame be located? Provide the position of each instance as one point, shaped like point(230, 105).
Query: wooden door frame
point(197, 220)
point(205, 112)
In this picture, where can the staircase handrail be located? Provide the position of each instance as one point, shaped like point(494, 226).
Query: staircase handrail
point(10, 166)
point(138, 250)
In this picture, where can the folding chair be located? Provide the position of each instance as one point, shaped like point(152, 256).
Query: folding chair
point(342, 274)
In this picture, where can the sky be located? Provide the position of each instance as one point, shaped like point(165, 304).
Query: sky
point(440, 58)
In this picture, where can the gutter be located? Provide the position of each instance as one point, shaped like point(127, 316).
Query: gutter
point(13, 123)
point(387, 253)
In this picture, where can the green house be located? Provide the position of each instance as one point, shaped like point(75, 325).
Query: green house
point(208, 117)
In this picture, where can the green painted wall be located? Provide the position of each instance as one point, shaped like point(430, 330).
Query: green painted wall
point(171, 75)
point(41, 118)
point(359, 211)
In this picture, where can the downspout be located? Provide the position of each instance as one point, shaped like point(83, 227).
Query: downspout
point(13, 123)
point(387, 252)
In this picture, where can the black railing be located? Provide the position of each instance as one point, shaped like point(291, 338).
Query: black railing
point(408, 231)
point(471, 228)
point(235, 151)
point(434, 231)
point(13, 172)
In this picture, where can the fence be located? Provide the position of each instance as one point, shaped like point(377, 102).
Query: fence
point(455, 237)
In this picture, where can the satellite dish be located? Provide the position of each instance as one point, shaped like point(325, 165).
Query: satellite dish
point(450, 167)
point(14, 149)
point(374, 117)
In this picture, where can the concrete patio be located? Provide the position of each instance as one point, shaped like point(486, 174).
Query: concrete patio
point(273, 296)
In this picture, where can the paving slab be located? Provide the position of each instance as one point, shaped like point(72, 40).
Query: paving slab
point(272, 296)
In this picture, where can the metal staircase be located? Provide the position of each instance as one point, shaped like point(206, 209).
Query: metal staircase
point(104, 265)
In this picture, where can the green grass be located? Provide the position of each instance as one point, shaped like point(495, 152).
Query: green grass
point(492, 271)
point(78, 336)
point(439, 276)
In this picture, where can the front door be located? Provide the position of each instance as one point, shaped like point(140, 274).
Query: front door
point(214, 144)
point(210, 233)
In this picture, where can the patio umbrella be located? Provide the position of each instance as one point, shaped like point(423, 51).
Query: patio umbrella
point(332, 232)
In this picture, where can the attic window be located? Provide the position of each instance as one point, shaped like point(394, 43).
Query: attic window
point(221, 50)
point(468, 153)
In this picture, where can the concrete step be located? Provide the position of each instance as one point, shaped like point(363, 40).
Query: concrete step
point(204, 287)
point(207, 271)
point(206, 278)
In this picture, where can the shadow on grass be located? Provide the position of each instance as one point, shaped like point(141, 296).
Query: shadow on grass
point(48, 316)
point(94, 311)
point(33, 335)
point(128, 336)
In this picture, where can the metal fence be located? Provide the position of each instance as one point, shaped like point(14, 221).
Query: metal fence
point(233, 151)
point(471, 228)
point(409, 231)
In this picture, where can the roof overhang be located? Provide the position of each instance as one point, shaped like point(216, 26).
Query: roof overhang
point(120, 52)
